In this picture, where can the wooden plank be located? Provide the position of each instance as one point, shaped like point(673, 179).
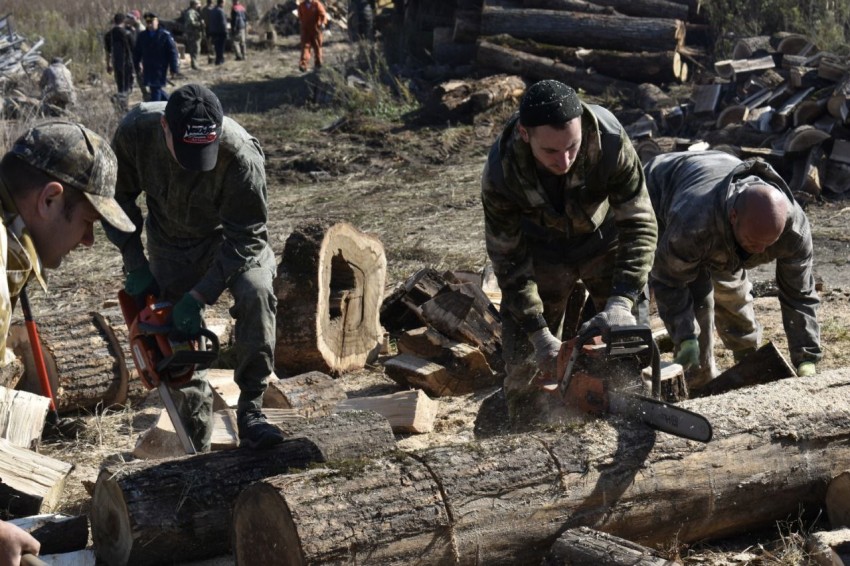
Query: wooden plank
point(407, 411)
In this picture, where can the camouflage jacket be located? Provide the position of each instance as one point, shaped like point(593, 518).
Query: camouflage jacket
point(604, 193)
point(193, 24)
point(20, 263)
point(229, 202)
point(693, 195)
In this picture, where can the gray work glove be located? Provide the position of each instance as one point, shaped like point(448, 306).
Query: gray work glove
point(617, 312)
point(687, 353)
point(546, 348)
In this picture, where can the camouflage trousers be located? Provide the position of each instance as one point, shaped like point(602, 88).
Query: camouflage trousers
point(177, 267)
point(193, 49)
point(723, 302)
point(527, 404)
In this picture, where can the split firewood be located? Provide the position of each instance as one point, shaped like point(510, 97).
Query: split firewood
point(22, 418)
point(173, 511)
point(705, 98)
point(433, 378)
point(410, 412)
point(329, 285)
point(584, 545)
point(502, 500)
point(32, 482)
point(58, 534)
point(312, 394)
point(829, 548)
point(765, 365)
point(462, 361)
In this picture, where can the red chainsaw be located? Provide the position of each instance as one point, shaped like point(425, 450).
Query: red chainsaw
point(163, 357)
point(605, 377)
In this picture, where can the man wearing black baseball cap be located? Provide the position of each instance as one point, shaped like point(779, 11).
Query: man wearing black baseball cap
point(564, 201)
point(204, 181)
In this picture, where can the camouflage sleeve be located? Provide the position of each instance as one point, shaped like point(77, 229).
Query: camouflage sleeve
point(127, 191)
point(509, 255)
point(244, 217)
point(797, 296)
point(635, 219)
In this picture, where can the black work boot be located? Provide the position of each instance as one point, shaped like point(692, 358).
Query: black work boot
point(255, 432)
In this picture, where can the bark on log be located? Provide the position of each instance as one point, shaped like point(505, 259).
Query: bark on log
point(458, 100)
point(170, 511)
point(311, 394)
point(330, 285)
point(84, 367)
point(504, 500)
point(58, 534)
point(30, 483)
point(567, 6)
point(747, 47)
point(587, 546)
point(829, 548)
point(516, 62)
point(593, 31)
point(647, 8)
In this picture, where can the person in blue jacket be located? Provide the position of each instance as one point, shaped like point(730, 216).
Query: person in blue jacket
point(155, 52)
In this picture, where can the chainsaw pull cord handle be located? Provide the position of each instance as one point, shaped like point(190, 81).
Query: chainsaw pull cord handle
point(644, 334)
point(37, 352)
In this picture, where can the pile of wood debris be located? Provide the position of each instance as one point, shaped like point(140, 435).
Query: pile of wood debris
point(20, 61)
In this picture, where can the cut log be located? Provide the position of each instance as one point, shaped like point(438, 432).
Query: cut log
point(748, 47)
point(76, 558)
point(765, 365)
point(733, 68)
point(594, 31)
point(84, 368)
point(832, 68)
point(173, 511)
point(647, 8)
point(225, 390)
point(30, 483)
point(838, 501)
point(462, 362)
point(312, 394)
point(705, 98)
point(411, 412)
point(587, 546)
point(58, 534)
point(22, 417)
point(412, 371)
point(503, 500)
point(838, 104)
point(457, 100)
point(12, 372)
point(567, 6)
point(516, 62)
point(329, 285)
point(829, 548)
point(400, 310)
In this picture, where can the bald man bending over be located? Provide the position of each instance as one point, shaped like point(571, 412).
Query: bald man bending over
point(717, 217)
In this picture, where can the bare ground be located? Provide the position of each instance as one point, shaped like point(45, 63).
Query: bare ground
point(416, 188)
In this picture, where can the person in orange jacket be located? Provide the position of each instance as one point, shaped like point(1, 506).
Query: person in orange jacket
point(313, 17)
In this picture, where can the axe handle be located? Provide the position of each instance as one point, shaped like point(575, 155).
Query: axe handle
point(37, 353)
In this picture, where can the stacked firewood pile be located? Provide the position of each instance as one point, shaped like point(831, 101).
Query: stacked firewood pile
point(18, 60)
point(779, 98)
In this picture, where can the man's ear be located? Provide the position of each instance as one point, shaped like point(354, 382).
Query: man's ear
point(49, 198)
point(523, 133)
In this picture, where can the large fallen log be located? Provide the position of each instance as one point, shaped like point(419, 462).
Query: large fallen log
point(329, 285)
point(504, 500)
point(513, 61)
point(171, 511)
point(621, 33)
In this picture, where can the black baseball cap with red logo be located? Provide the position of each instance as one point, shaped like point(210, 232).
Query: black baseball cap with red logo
point(194, 117)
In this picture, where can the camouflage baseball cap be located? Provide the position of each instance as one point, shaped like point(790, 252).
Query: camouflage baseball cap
point(78, 157)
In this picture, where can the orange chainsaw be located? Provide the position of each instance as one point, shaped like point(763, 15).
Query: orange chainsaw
point(605, 377)
point(163, 357)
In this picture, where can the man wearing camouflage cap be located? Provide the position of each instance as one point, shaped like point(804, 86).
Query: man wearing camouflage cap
point(56, 181)
point(204, 181)
point(564, 201)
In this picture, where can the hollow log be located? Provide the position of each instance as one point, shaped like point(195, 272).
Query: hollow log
point(84, 367)
point(516, 62)
point(171, 511)
point(312, 394)
point(329, 285)
point(504, 500)
point(593, 31)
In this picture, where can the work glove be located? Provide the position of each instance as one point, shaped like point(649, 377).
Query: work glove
point(140, 282)
point(546, 348)
point(806, 369)
point(688, 353)
point(186, 315)
point(617, 312)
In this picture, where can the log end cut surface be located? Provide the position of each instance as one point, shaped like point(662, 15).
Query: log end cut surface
point(114, 541)
point(264, 528)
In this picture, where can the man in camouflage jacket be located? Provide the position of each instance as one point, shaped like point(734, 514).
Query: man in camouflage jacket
point(564, 200)
point(717, 217)
point(193, 30)
point(204, 181)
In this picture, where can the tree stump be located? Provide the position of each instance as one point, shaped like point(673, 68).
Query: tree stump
point(329, 285)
